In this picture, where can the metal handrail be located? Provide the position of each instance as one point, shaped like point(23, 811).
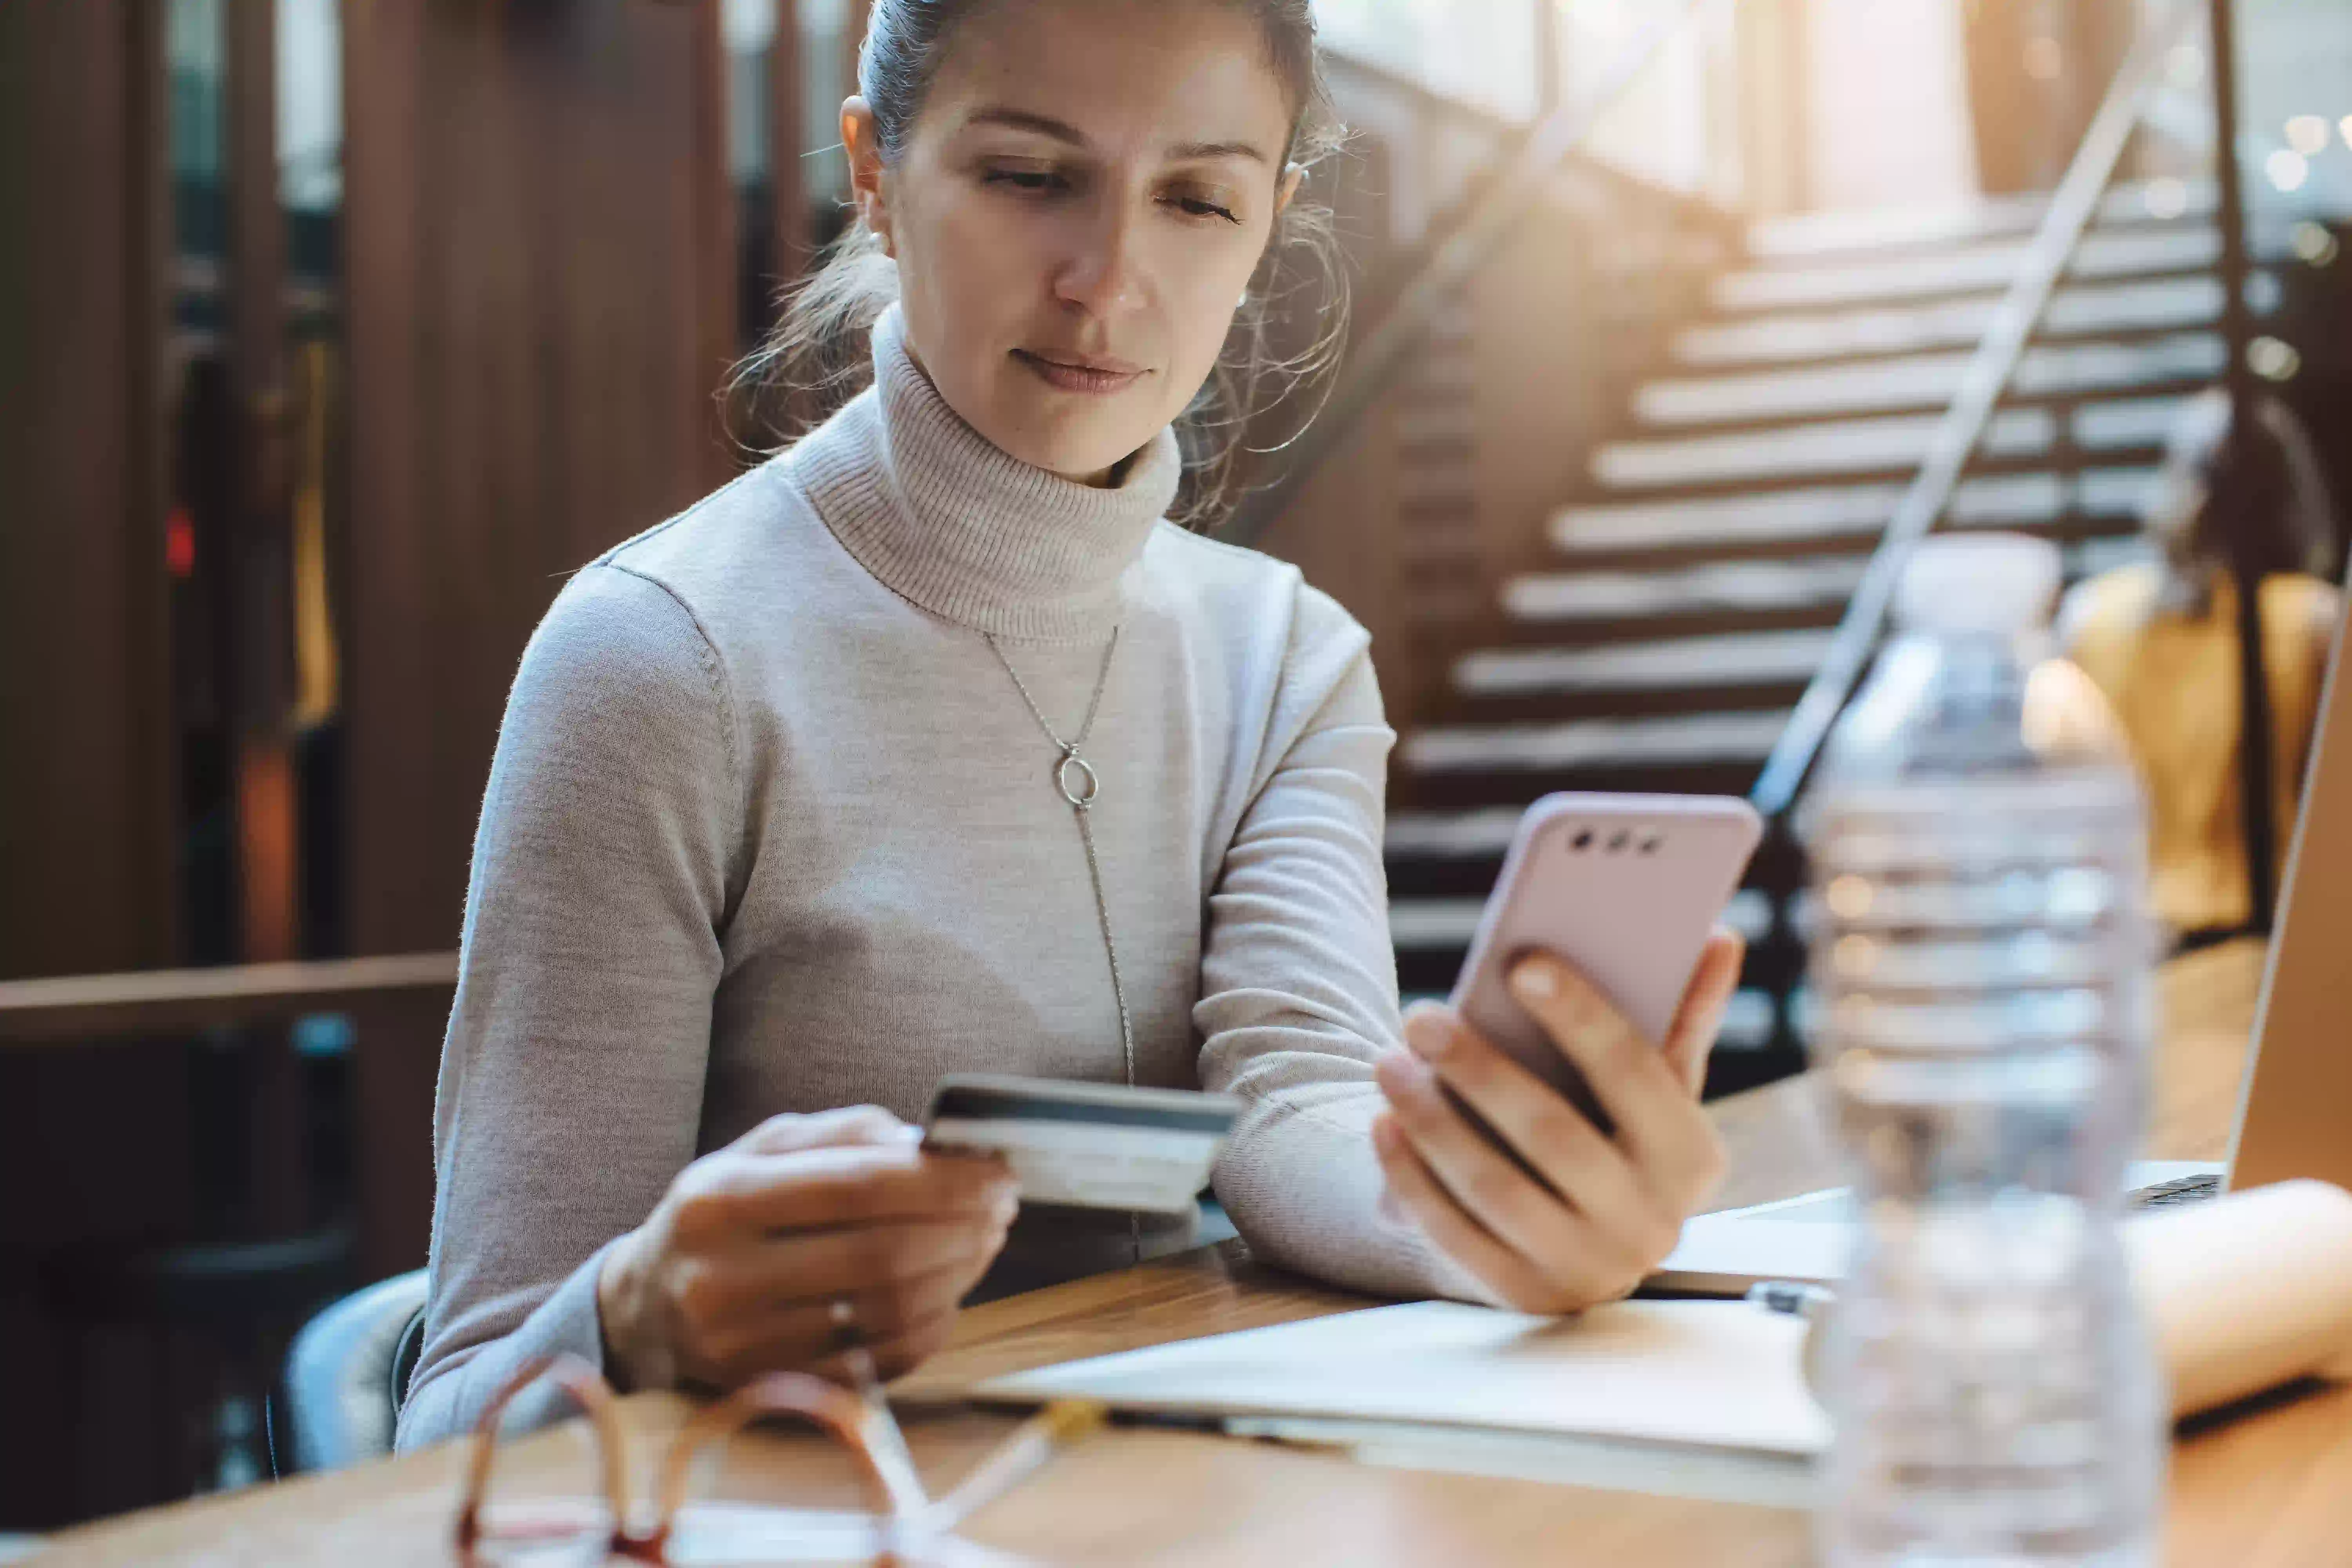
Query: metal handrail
point(1965, 421)
point(1441, 264)
point(2254, 780)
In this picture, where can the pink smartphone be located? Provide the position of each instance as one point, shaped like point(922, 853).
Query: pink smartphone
point(1626, 887)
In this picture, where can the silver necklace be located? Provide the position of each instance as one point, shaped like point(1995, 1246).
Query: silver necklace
point(1079, 784)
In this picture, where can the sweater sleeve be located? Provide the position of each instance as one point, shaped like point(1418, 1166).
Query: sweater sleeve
point(1299, 990)
point(572, 1077)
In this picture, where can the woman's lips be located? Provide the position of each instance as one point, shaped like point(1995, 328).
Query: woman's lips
point(1097, 376)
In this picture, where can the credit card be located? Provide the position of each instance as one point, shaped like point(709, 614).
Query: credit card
point(1095, 1145)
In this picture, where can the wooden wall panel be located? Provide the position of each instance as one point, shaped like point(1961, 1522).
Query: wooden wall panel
point(85, 788)
point(540, 307)
point(1568, 315)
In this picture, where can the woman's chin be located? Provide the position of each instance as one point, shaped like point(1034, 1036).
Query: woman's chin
point(1075, 443)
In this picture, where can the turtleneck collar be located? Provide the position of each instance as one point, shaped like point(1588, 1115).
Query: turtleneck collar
point(949, 520)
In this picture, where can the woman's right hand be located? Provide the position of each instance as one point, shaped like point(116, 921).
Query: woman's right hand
point(738, 1269)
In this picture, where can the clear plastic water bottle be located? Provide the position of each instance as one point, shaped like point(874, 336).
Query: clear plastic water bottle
point(1983, 961)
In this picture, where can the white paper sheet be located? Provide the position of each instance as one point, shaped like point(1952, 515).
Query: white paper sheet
point(1719, 1375)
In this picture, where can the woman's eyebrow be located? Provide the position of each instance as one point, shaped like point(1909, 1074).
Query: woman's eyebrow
point(1062, 131)
point(1191, 151)
point(1023, 119)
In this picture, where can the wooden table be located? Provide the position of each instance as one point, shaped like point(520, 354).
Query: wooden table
point(2267, 1488)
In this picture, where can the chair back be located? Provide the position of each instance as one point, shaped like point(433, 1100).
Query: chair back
point(339, 1397)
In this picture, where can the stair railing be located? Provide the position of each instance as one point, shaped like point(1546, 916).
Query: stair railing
point(1965, 421)
point(2253, 670)
point(1449, 256)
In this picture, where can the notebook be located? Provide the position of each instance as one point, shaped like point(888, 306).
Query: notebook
point(1712, 1374)
point(1704, 1397)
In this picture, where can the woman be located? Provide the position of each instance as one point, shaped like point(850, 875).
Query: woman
point(2160, 641)
point(782, 820)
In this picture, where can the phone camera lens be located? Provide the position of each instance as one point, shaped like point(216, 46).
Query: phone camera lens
point(1617, 843)
point(1650, 845)
point(1585, 839)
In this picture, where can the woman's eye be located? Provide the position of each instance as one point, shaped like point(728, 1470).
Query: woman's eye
point(1193, 207)
point(1023, 179)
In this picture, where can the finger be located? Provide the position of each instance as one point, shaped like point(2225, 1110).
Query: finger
point(890, 1356)
point(1671, 1142)
point(862, 1185)
point(844, 1125)
point(816, 1267)
point(1554, 1137)
point(795, 1332)
point(1514, 1281)
point(1507, 1203)
point(896, 1357)
point(1690, 1039)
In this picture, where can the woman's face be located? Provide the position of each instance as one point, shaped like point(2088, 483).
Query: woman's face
point(1078, 208)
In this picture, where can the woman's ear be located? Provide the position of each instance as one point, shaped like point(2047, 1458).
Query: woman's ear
point(861, 139)
point(1292, 174)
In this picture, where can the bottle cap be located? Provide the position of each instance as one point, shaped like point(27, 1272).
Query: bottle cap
point(1978, 582)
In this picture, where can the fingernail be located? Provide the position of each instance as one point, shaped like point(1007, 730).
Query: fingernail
point(1533, 978)
point(1006, 1206)
point(1391, 1211)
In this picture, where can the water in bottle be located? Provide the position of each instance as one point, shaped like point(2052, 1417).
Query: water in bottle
point(1982, 959)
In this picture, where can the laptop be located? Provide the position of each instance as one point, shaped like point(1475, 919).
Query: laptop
point(2292, 1108)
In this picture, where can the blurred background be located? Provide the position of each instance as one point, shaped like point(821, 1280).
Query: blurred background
point(333, 332)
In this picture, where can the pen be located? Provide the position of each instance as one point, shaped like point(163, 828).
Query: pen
point(1812, 1304)
point(1792, 1296)
point(1038, 1440)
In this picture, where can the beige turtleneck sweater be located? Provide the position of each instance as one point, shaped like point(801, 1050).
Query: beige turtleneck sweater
point(768, 828)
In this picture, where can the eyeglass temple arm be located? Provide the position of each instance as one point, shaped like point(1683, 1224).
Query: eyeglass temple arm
point(828, 1406)
point(589, 1391)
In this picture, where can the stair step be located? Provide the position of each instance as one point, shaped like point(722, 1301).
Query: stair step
point(1926, 381)
point(1505, 764)
point(1449, 924)
point(1830, 447)
point(2155, 305)
point(1469, 786)
point(1824, 514)
point(1605, 609)
point(1721, 662)
point(1450, 423)
point(1459, 834)
point(1562, 600)
point(1698, 671)
point(1822, 448)
point(1979, 269)
point(2117, 423)
point(1808, 236)
point(2092, 557)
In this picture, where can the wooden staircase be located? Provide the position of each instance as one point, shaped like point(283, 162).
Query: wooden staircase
point(1689, 587)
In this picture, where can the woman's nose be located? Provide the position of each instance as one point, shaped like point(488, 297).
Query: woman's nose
point(1102, 274)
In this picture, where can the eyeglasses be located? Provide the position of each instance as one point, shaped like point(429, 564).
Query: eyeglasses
point(903, 1526)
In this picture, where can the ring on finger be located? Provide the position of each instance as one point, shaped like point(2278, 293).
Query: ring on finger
point(842, 1312)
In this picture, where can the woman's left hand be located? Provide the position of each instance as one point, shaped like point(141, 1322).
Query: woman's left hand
point(1609, 1207)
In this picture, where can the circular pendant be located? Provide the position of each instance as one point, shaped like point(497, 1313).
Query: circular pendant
point(1080, 794)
